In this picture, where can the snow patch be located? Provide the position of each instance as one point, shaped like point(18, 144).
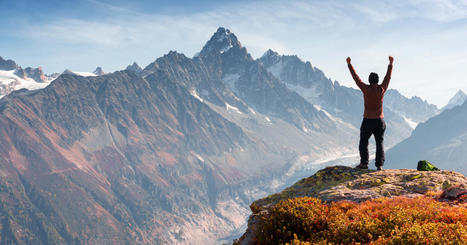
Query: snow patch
point(196, 95)
point(317, 107)
point(310, 94)
point(267, 121)
point(198, 156)
point(222, 37)
point(229, 107)
point(226, 48)
point(411, 123)
point(84, 74)
point(9, 82)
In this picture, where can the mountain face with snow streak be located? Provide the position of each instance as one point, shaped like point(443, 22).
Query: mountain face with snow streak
point(458, 99)
point(414, 109)
point(401, 114)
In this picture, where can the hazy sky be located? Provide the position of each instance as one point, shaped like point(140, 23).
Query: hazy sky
point(428, 38)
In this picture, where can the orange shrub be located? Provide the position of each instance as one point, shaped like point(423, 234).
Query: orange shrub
point(396, 220)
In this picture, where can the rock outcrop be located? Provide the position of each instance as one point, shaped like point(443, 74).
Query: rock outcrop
point(339, 183)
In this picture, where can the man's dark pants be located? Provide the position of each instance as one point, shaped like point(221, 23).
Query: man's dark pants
point(370, 127)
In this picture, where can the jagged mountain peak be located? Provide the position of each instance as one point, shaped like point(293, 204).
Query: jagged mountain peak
point(7, 65)
point(98, 71)
point(270, 57)
point(458, 99)
point(134, 68)
point(270, 53)
point(174, 54)
point(460, 92)
point(167, 59)
point(221, 41)
point(291, 69)
point(460, 95)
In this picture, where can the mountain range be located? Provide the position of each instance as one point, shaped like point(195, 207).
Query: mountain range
point(174, 152)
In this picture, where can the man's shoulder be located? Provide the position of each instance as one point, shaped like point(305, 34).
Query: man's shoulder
point(381, 88)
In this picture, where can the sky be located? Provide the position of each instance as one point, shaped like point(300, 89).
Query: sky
point(426, 37)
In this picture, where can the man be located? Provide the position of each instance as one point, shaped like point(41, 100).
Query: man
point(373, 117)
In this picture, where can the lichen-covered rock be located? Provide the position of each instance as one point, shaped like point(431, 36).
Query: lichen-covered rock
point(456, 193)
point(313, 185)
point(345, 183)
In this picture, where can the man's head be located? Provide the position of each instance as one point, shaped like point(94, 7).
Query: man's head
point(373, 78)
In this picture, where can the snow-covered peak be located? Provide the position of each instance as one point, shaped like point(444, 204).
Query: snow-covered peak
point(10, 82)
point(222, 41)
point(14, 77)
point(79, 73)
point(222, 34)
point(458, 99)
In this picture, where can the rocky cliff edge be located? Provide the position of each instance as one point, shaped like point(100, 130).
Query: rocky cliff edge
point(340, 183)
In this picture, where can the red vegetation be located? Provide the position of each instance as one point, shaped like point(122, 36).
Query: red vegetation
point(398, 220)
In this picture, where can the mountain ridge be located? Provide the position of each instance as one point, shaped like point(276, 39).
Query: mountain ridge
point(172, 153)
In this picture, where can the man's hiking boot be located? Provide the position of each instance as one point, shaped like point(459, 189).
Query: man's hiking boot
point(362, 166)
point(379, 168)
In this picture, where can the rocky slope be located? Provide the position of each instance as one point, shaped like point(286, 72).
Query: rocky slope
point(339, 183)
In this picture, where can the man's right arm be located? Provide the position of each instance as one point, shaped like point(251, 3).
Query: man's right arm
point(355, 77)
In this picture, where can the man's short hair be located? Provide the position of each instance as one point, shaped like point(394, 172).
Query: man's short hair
point(373, 78)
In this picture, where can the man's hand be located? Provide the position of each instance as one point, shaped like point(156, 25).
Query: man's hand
point(391, 59)
point(348, 60)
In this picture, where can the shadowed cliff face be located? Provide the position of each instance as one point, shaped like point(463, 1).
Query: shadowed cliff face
point(109, 159)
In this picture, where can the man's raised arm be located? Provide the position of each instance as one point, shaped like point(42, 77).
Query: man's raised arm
point(387, 78)
point(355, 77)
